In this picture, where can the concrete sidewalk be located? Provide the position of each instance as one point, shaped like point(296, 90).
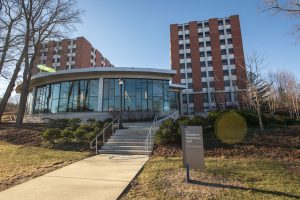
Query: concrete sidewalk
point(97, 177)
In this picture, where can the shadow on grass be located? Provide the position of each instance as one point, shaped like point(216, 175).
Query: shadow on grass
point(218, 185)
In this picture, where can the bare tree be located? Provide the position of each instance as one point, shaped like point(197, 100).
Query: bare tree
point(286, 92)
point(291, 8)
point(45, 20)
point(258, 89)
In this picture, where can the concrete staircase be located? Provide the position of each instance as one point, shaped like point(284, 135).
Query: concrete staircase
point(130, 140)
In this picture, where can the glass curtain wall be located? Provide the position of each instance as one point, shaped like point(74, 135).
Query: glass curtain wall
point(67, 96)
point(136, 95)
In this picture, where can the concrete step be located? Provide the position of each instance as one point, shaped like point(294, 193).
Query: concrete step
point(110, 147)
point(118, 143)
point(131, 152)
point(138, 131)
point(126, 140)
point(128, 136)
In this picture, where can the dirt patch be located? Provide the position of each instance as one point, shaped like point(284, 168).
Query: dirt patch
point(22, 135)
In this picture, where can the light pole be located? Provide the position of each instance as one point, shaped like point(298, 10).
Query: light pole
point(121, 82)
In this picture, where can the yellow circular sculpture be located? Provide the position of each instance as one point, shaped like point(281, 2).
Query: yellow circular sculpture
point(230, 127)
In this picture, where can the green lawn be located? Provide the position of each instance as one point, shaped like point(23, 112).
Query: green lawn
point(19, 163)
point(234, 178)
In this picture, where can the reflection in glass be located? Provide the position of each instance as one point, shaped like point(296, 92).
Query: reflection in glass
point(137, 94)
point(67, 96)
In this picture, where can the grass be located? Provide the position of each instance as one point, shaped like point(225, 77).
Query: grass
point(20, 163)
point(235, 178)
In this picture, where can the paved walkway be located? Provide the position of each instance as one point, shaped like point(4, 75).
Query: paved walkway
point(97, 177)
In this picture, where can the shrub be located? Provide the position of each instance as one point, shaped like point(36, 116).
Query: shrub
point(250, 118)
point(80, 134)
point(168, 133)
point(51, 134)
point(279, 119)
point(73, 124)
point(58, 123)
point(290, 121)
point(198, 121)
point(67, 134)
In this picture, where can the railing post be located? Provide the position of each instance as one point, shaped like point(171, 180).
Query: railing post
point(96, 145)
point(103, 138)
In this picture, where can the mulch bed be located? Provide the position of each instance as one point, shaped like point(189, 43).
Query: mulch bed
point(279, 144)
point(23, 135)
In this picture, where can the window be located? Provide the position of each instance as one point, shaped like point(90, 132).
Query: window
point(208, 53)
point(181, 56)
point(188, 55)
point(225, 72)
point(226, 83)
point(180, 37)
point(187, 36)
point(206, 24)
point(222, 42)
point(201, 44)
point(220, 22)
point(209, 63)
point(211, 74)
point(231, 51)
point(229, 41)
point(208, 44)
point(207, 34)
point(233, 71)
point(182, 75)
point(187, 46)
point(234, 83)
point(203, 74)
point(189, 65)
point(232, 62)
point(67, 96)
point(223, 51)
point(227, 21)
point(200, 25)
point(205, 97)
point(224, 62)
point(204, 84)
point(74, 42)
point(202, 64)
point(228, 31)
point(200, 35)
point(179, 28)
point(186, 27)
point(202, 54)
point(58, 60)
point(228, 97)
point(191, 98)
point(211, 84)
point(189, 75)
point(136, 94)
point(221, 32)
point(182, 66)
point(181, 46)
point(212, 97)
point(190, 86)
point(73, 58)
point(184, 98)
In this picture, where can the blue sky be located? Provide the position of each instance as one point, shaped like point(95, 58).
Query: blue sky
point(135, 33)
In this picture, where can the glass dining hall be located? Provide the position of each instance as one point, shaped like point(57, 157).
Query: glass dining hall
point(94, 91)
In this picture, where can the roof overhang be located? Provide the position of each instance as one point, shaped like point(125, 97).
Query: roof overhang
point(97, 72)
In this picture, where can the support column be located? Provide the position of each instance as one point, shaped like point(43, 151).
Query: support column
point(32, 100)
point(100, 94)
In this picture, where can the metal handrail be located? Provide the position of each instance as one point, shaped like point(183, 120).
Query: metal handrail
point(148, 141)
point(103, 134)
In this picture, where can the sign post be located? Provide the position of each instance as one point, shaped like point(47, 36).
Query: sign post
point(192, 147)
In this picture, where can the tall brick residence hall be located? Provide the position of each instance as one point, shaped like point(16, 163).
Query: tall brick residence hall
point(70, 54)
point(209, 59)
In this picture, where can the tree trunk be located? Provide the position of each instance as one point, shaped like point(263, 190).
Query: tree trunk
point(11, 85)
